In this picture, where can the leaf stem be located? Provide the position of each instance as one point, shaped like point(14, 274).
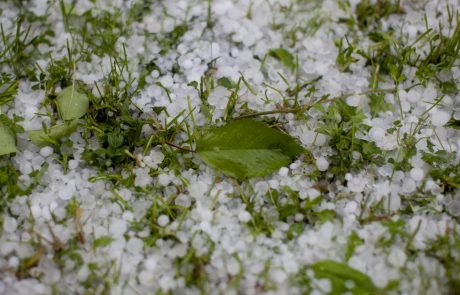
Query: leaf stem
point(179, 147)
point(305, 107)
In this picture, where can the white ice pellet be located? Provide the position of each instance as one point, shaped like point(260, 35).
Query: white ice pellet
point(356, 184)
point(135, 245)
point(163, 220)
point(151, 263)
point(312, 193)
point(439, 117)
point(143, 178)
point(325, 285)
point(167, 81)
point(13, 261)
point(430, 93)
point(322, 164)
point(183, 200)
point(46, 151)
point(377, 133)
point(353, 100)
point(283, 172)
point(145, 277)
point(164, 179)
point(351, 207)
point(274, 184)
point(118, 227)
point(397, 257)
point(73, 164)
point(233, 266)
point(244, 216)
point(409, 185)
point(9, 224)
point(417, 174)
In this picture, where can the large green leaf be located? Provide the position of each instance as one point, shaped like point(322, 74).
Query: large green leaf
point(72, 104)
point(51, 136)
point(339, 273)
point(7, 140)
point(247, 148)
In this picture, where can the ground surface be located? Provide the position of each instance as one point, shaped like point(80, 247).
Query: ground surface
point(116, 202)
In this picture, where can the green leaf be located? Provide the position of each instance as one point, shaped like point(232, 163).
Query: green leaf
point(247, 148)
point(353, 241)
point(7, 140)
point(378, 104)
point(8, 90)
point(226, 82)
point(102, 242)
point(51, 136)
point(72, 104)
point(284, 56)
point(339, 273)
point(115, 139)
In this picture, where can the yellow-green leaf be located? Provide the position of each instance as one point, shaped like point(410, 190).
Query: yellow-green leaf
point(72, 104)
point(51, 136)
point(7, 140)
point(340, 273)
point(284, 56)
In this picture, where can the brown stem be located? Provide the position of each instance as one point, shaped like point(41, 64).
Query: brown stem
point(306, 107)
point(179, 147)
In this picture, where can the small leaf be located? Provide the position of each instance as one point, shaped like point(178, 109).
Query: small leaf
point(102, 242)
point(339, 273)
point(7, 140)
point(226, 82)
point(247, 148)
point(284, 56)
point(51, 136)
point(72, 104)
point(115, 139)
point(8, 91)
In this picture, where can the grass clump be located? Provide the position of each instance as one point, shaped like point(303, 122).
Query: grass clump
point(343, 124)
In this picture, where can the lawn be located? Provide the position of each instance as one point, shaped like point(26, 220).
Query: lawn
point(229, 147)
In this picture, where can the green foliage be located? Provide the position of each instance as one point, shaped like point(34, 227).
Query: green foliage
point(345, 56)
point(339, 273)
point(72, 104)
point(59, 72)
point(7, 140)
point(171, 40)
point(342, 123)
point(11, 185)
point(353, 241)
point(113, 121)
point(52, 135)
point(8, 130)
point(378, 104)
point(96, 31)
point(446, 249)
point(247, 148)
point(19, 49)
point(192, 267)
point(444, 51)
point(368, 14)
point(284, 56)
point(8, 89)
point(444, 168)
point(226, 82)
point(395, 229)
point(102, 242)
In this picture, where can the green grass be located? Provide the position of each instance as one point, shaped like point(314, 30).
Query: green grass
point(112, 128)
